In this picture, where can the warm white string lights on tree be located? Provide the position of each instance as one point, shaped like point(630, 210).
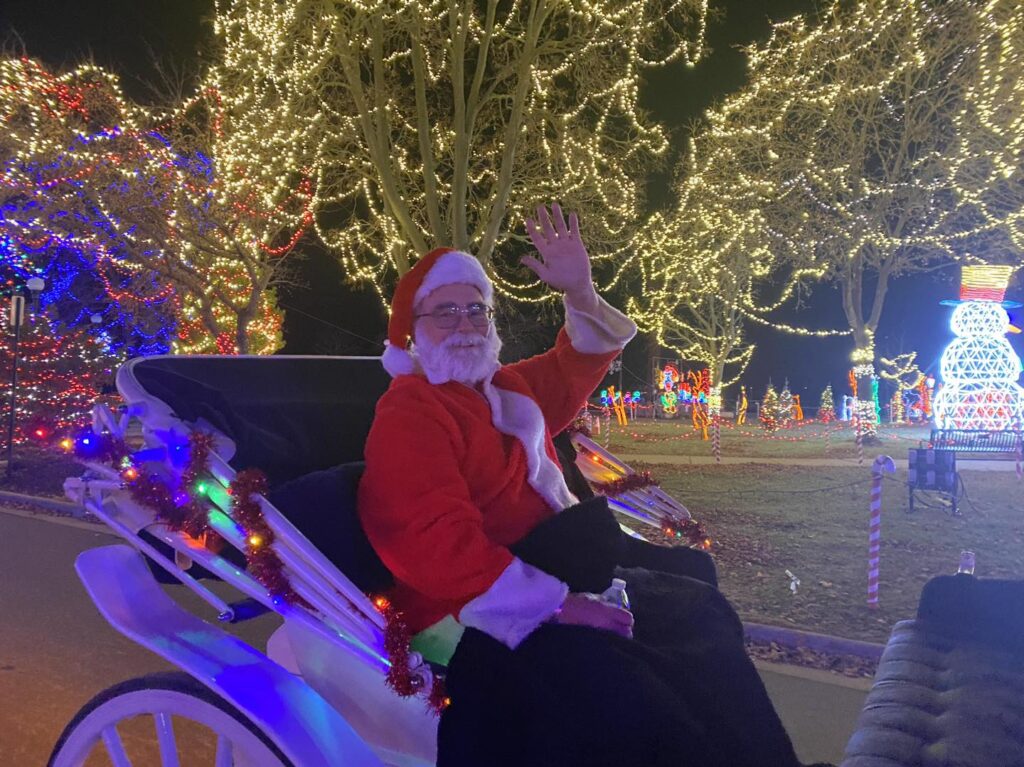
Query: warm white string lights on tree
point(903, 372)
point(445, 123)
point(141, 195)
point(878, 142)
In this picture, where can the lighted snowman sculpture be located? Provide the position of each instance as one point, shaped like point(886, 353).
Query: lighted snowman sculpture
point(979, 368)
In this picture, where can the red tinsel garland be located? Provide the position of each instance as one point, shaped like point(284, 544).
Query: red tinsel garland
point(616, 487)
point(689, 529)
point(397, 644)
point(178, 508)
point(692, 531)
point(261, 560)
point(182, 511)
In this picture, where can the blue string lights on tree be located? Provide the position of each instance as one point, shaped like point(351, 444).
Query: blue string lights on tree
point(85, 292)
point(124, 206)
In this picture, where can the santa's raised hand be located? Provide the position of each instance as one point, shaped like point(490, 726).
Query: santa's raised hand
point(564, 263)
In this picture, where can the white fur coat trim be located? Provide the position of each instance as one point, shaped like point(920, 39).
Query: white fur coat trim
point(519, 416)
point(520, 600)
point(608, 330)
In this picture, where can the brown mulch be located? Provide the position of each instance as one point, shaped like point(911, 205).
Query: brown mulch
point(846, 665)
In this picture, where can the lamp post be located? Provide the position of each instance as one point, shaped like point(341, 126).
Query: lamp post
point(16, 319)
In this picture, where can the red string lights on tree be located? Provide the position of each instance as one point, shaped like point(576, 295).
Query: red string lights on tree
point(60, 378)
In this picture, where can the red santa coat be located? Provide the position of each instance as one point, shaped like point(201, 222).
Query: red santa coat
point(454, 475)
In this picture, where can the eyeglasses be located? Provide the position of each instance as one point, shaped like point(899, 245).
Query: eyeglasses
point(448, 316)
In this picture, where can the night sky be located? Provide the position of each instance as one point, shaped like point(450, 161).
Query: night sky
point(327, 317)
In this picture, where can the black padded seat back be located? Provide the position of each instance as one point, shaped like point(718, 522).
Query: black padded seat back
point(287, 416)
point(303, 421)
point(322, 505)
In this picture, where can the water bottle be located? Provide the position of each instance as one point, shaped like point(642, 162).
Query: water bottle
point(966, 563)
point(615, 594)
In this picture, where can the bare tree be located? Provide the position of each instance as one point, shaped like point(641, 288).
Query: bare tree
point(445, 122)
point(882, 141)
point(141, 192)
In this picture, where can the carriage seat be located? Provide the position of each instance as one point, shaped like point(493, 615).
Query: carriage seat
point(322, 505)
point(950, 685)
point(303, 421)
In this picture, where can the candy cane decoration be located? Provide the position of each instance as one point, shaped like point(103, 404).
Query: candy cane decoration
point(1020, 452)
point(859, 439)
point(716, 437)
point(883, 463)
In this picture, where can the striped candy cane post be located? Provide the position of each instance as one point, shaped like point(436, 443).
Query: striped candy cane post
point(883, 463)
point(1020, 452)
point(859, 439)
point(716, 439)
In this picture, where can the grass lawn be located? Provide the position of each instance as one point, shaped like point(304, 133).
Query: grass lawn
point(766, 519)
point(803, 440)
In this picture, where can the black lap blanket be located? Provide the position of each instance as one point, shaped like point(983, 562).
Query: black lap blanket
point(682, 692)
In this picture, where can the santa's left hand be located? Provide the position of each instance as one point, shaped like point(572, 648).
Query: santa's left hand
point(564, 263)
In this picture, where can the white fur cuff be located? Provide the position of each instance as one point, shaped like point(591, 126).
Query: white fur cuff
point(607, 330)
point(520, 600)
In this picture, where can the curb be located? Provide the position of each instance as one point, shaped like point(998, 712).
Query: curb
point(46, 503)
point(77, 523)
point(819, 642)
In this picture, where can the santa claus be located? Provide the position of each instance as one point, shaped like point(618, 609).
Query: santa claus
point(495, 559)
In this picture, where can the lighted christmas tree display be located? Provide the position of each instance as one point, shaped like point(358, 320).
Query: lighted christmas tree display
point(60, 378)
point(785, 405)
point(770, 415)
point(827, 406)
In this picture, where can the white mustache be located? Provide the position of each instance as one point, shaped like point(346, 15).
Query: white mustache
point(463, 340)
point(464, 357)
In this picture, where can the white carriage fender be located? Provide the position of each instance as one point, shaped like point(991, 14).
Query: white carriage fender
point(300, 722)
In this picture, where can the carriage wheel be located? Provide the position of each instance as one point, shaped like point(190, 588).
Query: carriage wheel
point(234, 740)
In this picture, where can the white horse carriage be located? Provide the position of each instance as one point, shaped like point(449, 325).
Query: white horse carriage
point(165, 473)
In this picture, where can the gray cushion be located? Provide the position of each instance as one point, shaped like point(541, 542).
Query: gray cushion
point(941, 701)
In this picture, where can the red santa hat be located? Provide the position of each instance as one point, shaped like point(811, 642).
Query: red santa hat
point(441, 266)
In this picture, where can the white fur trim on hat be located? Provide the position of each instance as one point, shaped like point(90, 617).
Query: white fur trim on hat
point(455, 267)
point(398, 362)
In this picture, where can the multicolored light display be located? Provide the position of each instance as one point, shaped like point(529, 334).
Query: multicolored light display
point(124, 210)
point(979, 367)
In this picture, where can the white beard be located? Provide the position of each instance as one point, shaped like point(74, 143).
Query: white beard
point(467, 358)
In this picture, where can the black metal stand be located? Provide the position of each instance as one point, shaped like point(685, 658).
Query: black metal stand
point(14, 389)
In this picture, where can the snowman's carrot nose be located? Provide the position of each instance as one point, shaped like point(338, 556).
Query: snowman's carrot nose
point(1012, 329)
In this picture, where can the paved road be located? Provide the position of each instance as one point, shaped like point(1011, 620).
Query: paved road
point(56, 652)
